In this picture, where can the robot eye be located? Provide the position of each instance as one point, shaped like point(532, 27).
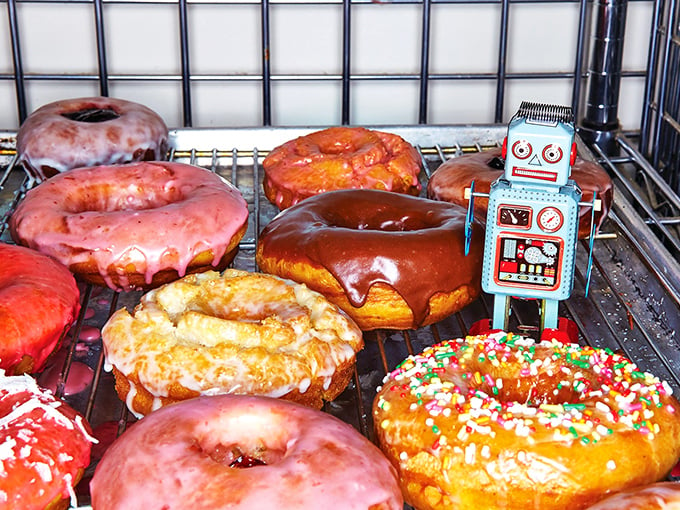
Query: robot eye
point(521, 149)
point(552, 153)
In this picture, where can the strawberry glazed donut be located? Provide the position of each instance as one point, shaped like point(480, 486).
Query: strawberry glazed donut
point(243, 452)
point(89, 131)
point(388, 260)
point(340, 158)
point(39, 300)
point(45, 447)
point(522, 425)
point(449, 181)
point(133, 226)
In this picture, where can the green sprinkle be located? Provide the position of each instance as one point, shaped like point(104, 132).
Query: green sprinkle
point(579, 407)
point(585, 440)
point(638, 375)
point(495, 390)
point(435, 429)
point(646, 401)
point(573, 431)
point(620, 365)
point(442, 355)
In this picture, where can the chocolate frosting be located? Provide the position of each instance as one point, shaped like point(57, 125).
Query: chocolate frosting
point(364, 237)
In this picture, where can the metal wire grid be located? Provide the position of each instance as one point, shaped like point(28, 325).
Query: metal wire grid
point(609, 14)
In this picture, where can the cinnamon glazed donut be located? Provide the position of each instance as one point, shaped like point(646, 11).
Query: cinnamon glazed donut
point(657, 496)
point(239, 333)
point(449, 181)
point(134, 226)
point(340, 158)
point(39, 300)
point(388, 260)
point(243, 452)
point(523, 425)
point(89, 131)
point(45, 447)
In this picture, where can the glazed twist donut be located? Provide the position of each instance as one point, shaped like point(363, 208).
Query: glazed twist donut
point(39, 300)
point(522, 425)
point(233, 333)
point(340, 158)
point(388, 260)
point(89, 131)
point(243, 452)
point(449, 181)
point(134, 226)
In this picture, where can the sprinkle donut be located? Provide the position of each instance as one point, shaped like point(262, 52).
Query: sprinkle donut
point(522, 425)
point(39, 300)
point(44, 447)
point(238, 332)
point(340, 158)
point(133, 226)
point(243, 452)
point(89, 131)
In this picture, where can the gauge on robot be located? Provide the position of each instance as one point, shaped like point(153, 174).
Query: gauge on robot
point(550, 219)
point(514, 216)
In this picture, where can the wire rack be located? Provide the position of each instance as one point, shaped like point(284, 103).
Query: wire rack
point(632, 306)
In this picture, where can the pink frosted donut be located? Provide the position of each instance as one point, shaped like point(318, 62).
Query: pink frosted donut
point(134, 226)
point(89, 131)
point(243, 452)
point(657, 496)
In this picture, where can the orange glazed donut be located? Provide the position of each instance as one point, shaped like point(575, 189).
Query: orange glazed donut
point(134, 226)
point(449, 181)
point(340, 158)
point(89, 131)
point(523, 425)
point(388, 260)
point(657, 496)
point(238, 332)
point(39, 300)
point(45, 447)
point(240, 453)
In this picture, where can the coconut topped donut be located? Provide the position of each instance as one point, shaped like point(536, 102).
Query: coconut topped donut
point(89, 131)
point(520, 424)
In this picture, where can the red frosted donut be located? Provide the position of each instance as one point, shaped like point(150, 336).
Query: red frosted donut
point(38, 300)
point(89, 131)
point(45, 447)
point(243, 452)
point(657, 496)
point(388, 260)
point(134, 226)
point(449, 181)
point(340, 158)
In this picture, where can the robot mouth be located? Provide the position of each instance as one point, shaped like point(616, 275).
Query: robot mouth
point(531, 173)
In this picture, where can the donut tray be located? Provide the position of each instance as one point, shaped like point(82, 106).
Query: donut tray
point(632, 306)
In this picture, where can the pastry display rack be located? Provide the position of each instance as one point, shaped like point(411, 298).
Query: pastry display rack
point(632, 305)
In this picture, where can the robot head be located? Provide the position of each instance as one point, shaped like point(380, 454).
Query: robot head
point(539, 148)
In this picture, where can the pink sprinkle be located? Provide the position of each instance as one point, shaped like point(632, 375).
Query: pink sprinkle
point(635, 407)
point(671, 409)
point(524, 372)
point(644, 430)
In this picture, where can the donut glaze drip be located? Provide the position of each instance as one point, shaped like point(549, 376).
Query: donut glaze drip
point(527, 425)
point(92, 115)
point(147, 216)
point(317, 460)
point(449, 181)
point(365, 237)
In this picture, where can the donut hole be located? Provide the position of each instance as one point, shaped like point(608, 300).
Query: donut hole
point(92, 115)
point(384, 221)
point(535, 390)
point(239, 456)
point(110, 198)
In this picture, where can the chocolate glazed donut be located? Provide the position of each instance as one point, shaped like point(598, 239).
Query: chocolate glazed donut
point(389, 260)
point(449, 181)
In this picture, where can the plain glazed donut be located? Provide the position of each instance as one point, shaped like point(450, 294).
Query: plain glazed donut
point(243, 452)
point(134, 226)
point(388, 260)
point(657, 496)
point(45, 447)
point(340, 158)
point(239, 333)
point(449, 181)
point(89, 131)
point(39, 300)
point(523, 425)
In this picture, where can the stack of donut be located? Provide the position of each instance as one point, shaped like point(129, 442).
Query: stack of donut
point(517, 424)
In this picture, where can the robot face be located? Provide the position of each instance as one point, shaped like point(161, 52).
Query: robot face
point(538, 158)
